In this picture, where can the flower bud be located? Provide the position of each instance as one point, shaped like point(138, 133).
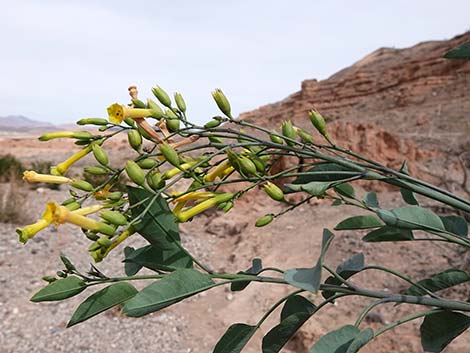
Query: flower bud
point(92, 121)
point(96, 170)
point(73, 206)
point(265, 220)
point(147, 163)
point(144, 133)
point(170, 154)
point(68, 265)
point(162, 96)
point(61, 274)
point(318, 122)
point(259, 163)
point(155, 180)
point(81, 135)
point(228, 206)
point(138, 103)
point(82, 185)
point(222, 102)
point(173, 124)
point(157, 112)
point(104, 242)
point(100, 155)
point(288, 131)
point(115, 196)
point(273, 191)
point(135, 173)
point(114, 217)
point(212, 124)
point(49, 279)
point(247, 166)
point(305, 136)
point(180, 103)
point(276, 139)
point(135, 139)
point(130, 122)
point(92, 236)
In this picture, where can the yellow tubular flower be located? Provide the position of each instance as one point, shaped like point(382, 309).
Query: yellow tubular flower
point(195, 195)
point(179, 206)
point(117, 113)
point(183, 216)
point(32, 177)
point(30, 231)
point(103, 193)
point(218, 171)
point(62, 215)
point(185, 166)
point(61, 168)
point(123, 236)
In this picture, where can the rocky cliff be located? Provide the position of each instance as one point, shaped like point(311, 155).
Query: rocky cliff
point(393, 103)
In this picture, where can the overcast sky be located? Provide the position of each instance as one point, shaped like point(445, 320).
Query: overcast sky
point(64, 60)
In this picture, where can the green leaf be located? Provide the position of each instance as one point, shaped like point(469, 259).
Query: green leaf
point(371, 200)
point(309, 279)
point(456, 225)
point(173, 288)
point(346, 190)
point(130, 268)
point(60, 289)
point(255, 269)
point(364, 337)
point(325, 172)
point(158, 225)
point(439, 329)
point(296, 311)
point(347, 269)
point(315, 188)
point(439, 281)
point(235, 338)
point(102, 300)
point(388, 233)
point(461, 52)
point(359, 222)
point(336, 202)
point(407, 195)
point(337, 341)
point(160, 260)
point(412, 217)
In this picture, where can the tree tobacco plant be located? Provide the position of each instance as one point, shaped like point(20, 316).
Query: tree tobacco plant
point(228, 151)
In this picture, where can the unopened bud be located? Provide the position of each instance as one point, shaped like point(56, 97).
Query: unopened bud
point(49, 279)
point(100, 155)
point(212, 124)
point(265, 220)
point(173, 124)
point(61, 274)
point(288, 131)
point(247, 166)
point(222, 102)
point(162, 96)
point(67, 263)
point(273, 191)
point(228, 206)
point(92, 121)
point(170, 154)
point(180, 103)
point(139, 104)
point(155, 180)
point(114, 196)
point(114, 217)
point(157, 112)
point(73, 206)
point(92, 236)
point(96, 170)
point(135, 173)
point(130, 122)
point(82, 185)
point(318, 122)
point(147, 163)
point(276, 139)
point(104, 242)
point(135, 139)
point(305, 136)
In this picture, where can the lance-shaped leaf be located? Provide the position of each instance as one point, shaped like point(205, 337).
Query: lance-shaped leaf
point(61, 289)
point(362, 338)
point(173, 288)
point(371, 200)
point(160, 259)
point(325, 172)
point(296, 311)
point(412, 217)
point(456, 225)
point(439, 329)
point(309, 279)
point(347, 269)
point(461, 52)
point(337, 341)
point(255, 269)
point(407, 195)
point(235, 338)
point(102, 300)
point(440, 281)
point(130, 268)
point(388, 233)
point(158, 224)
point(346, 190)
point(359, 222)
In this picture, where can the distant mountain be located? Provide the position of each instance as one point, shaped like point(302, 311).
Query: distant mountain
point(21, 123)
